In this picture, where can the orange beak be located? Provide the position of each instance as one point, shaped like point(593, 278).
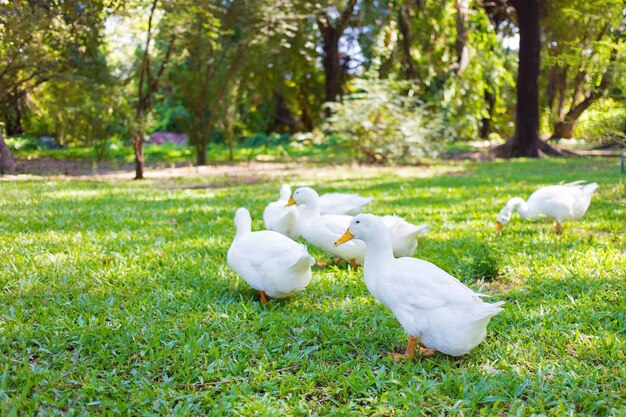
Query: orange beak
point(291, 202)
point(499, 227)
point(344, 238)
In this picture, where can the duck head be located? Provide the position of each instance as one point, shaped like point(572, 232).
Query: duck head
point(504, 216)
point(303, 196)
point(364, 227)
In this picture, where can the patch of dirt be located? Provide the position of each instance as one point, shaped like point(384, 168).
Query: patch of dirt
point(231, 173)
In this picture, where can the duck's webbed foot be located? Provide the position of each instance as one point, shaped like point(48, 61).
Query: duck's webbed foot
point(426, 352)
point(263, 297)
point(559, 228)
point(355, 267)
point(410, 351)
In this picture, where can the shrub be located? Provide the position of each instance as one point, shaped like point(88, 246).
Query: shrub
point(383, 121)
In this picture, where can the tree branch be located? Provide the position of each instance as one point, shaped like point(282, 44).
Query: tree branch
point(405, 30)
point(462, 8)
point(145, 66)
point(345, 16)
point(170, 48)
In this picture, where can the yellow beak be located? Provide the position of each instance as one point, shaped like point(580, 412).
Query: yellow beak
point(499, 227)
point(344, 238)
point(291, 202)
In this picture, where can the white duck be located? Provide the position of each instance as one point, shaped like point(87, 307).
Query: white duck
point(279, 218)
point(430, 304)
point(556, 202)
point(340, 203)
point(321, 230)
point(270, 262)
point(403, 235)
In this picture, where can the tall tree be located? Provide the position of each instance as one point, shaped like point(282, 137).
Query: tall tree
point(214, 43)
point(147, 85)
point(582, 63)
point(41, 40)
point(224, 45)
point(526, 141)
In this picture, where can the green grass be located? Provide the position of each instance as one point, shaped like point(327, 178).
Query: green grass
point(171, 153)
point(116, 297)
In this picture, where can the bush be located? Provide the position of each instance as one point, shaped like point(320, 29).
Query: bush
point(262, 140)
point(383, 121)
point(23, 143)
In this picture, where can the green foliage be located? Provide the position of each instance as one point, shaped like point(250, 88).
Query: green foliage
point(386, 122)
point(583, 63)
point(23, 143)
point(108, 312)
point(605, 122)
point(239, 68)
point(43, 40)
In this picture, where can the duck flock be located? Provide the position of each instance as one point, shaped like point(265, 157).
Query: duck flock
point(436, 310)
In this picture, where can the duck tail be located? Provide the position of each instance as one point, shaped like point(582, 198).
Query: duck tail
point(485, 310)
point(494, 308)
point(304, 262)
point(420, 230)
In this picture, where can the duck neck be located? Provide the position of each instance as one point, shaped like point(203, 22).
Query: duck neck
point(285, 192)
point(378, 249)
point(520, 205)
point(309, 211)
point(243, 229)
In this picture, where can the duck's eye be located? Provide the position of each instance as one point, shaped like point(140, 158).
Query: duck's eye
point(358, 221)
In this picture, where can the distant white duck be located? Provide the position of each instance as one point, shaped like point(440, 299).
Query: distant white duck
point(555, 202)
point(321, 230)
point(431, 305)
point(340, 203)
point(403, 235)
point(269, 261)
point(279, 218)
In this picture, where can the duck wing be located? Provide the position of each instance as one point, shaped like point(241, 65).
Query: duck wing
point(426, 286)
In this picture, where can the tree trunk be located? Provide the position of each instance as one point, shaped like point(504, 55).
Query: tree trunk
point(485, 124)
point(562, 129)
point(332, 66)
point(305, 116)
point(557, 83)
point(526, 141)
point(13, 115)
point(330, 36)
point(7, 163)
point(139, 155)
point(462, 52)
point(282, 115)
point(201, 153)
point(564, 126)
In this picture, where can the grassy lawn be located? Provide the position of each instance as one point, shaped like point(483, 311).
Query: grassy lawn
point(116, 297)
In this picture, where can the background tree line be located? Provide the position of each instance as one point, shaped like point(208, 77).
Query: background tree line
point(391, 78)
